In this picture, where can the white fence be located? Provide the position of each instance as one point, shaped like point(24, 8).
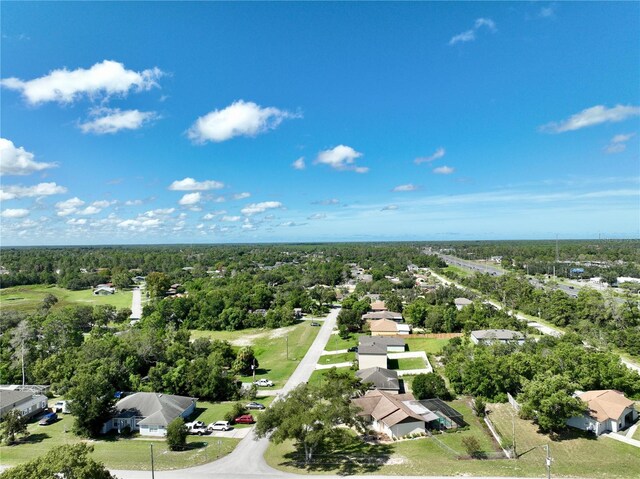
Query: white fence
point(514, 404)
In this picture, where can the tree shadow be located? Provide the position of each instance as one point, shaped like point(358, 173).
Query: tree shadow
point(344, 454)
point(32, 438)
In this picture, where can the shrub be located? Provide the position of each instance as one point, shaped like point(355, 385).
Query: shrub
point(236, 410)
point(176, 434)
point(472, 446)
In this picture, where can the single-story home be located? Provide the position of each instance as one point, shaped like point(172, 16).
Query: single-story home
point(29, 403)
point(398, 415)
point(491, 336)
point(378, 306)
point(382, 379)
point(461, 303)
point(149, 413)
point(383, 327)
point(372, 350)
point(609, 411)
point(383, 315)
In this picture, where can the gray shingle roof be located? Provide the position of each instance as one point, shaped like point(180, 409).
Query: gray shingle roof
point(9, 397)
point(381, 378)
point(157, 409)
point(497, 334)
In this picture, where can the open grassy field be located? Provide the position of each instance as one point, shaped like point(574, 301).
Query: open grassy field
point(270, 347)
point(337, 358)
point(118, 453)
point(457, 270)
point(573, 457)
point(336, 343)
point(428, 345)
point(29, 298)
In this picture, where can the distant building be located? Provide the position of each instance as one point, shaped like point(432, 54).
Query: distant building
point(103, 290)
point(609, 411)
point(383, 315)
point(491, 336)
point(462, 303)
point(387, 327)
point(377, 306)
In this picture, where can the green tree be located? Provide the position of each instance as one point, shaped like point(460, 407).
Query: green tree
point(158, 284)
point(121, 279)
point(245, 361)
point(12, 425)
point(428, 386)
point(472, 446)
point(68, 461)
point(549, 401)
point(236, 410)
point(92, 397)
point(176, 434)
point(310, 414)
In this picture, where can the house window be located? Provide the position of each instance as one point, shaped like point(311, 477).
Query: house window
point(153, 428)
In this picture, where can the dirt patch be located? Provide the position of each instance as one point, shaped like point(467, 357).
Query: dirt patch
point(395, 461)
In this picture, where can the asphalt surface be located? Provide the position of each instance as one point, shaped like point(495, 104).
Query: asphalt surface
point(136, 303)
point(247, 459)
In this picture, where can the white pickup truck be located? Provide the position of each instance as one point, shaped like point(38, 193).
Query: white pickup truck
point(197, 427)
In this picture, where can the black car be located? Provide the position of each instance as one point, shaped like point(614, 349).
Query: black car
point(313, 323)
point(255, 405)
point(353, 349)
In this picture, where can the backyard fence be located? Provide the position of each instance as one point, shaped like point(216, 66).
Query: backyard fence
point(496, 436)
point(514, 404)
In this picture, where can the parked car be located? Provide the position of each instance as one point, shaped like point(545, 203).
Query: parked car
point(62, 406)
point(245, 419)
point(255, 405)
point(48, 418)
point(219, 426)
point(197, 427)
point(353, 349)
point(315, 323)
point(263, 382)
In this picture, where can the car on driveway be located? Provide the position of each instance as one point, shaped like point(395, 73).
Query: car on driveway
point(245, 419)
point(255, 405)
point(197, 427)
point(219, 426)
point(353, 349)
point(48, 418)
point(263, 382)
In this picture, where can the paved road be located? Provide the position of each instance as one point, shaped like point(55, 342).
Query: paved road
point(136, 303)
point(247, 459)
point(470, 265)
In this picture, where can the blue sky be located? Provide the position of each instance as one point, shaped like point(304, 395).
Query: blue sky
point(214, 122)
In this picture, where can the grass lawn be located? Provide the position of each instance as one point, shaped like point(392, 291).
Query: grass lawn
point(118, 453)
point(28, 298)
point(336, 343)
point(337, 358)
point(457, 270)
point(573, 457)
point(270, 347)
point(406, 363)
point(428, 345)
point(318, 374)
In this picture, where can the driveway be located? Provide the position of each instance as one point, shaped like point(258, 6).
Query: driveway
point(136, 303)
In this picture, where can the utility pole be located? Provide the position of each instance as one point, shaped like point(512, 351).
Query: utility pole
point(152, 472)
point(548, 461)
point(253, 369)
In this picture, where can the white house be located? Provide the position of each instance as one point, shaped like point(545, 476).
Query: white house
point(149, 413)
point(27, 402)
point(372, 350)
point(609, 411)
point(462, 302)
point(491, 336)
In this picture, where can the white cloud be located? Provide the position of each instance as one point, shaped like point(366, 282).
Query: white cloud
point(389, 208)
point(407, 187)
point(299, 164)
point(18, 161)
point(103, 203)
point(77, 221)
point(592, 116)
point(200, 226)
point(114, 120)
point(317, 216)
point(211, 215)
point(231, 218)
point(547, 12)
point(330, 201)
point(444, 170)
point(470, 35)
point(189, 184)
point(190, 199)
point(14, 213)
point(158, 212)
point(618, 143)
point(41, 189)
point(64, 86)
point(291, 223)
point(238, 119)
point(68, 207)
point(255, 208)
point(140, 224)
point(241, 196)
point(439, 153)
point(89, 210)
point(133, 202)
point(341, 158)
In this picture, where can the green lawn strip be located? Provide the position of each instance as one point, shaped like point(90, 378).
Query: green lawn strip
point(318, 374)
point(457, 270)
point(241, 334)
point(406, 363)
point(116, 453)
point(575, 453)
point(336, 343)
point(337, 358)
point(428, 345)
point(29, 298)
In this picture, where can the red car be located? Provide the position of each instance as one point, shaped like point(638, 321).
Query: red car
point(245, 419)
